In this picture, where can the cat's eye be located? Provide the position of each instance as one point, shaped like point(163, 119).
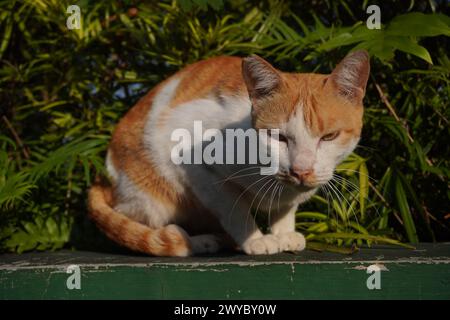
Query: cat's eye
point(282, 138)
point(330, 136)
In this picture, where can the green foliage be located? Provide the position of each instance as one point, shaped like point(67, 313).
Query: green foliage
point(188, 5)
point(38, 235)
point(400, 34)
point(62, 91)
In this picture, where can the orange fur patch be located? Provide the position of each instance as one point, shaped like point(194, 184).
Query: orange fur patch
point(129, 155)
point(212, 77)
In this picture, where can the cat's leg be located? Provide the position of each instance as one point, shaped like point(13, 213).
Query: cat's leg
point(237, 220)
point(199, 244)
point(144, 208)
point(282, 225)
point(233, 210)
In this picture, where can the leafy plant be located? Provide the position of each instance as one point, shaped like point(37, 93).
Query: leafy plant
point(38, 235)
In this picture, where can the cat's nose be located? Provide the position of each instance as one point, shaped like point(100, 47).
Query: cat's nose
point(301, 175)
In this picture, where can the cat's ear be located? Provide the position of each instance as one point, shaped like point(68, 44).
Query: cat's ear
point(260, 77)
point(351, 74)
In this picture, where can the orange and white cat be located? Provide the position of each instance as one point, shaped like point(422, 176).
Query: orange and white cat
point(154, 206)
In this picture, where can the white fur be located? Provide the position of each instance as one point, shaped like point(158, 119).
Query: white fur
point(302, 149)
point(309, 152)
point(112, 172)
point(213, 116)
point(156, 136)
point(141, 206)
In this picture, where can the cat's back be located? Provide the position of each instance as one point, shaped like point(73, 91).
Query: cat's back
point(213, 78)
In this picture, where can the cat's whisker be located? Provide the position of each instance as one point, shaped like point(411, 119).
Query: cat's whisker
point(345, 199)
point(330, 197)
point(240, 176)
point(367, 198)
point(333, 191)
point(274, 183)
point(235, 173)
point(356, 171)
point(273, 195)
point(345, 180)
point(253, 201)
point(341, 177)
point(359, 146)
point(348, 186)
point(281, 189)
point(242, 193)
point(338, 198)
point(338, 177)
point(324, 188)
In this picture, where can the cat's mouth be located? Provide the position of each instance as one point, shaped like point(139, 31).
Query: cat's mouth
point(296, 181)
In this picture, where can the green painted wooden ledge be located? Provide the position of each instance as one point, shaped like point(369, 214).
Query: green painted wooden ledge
point(423, 273)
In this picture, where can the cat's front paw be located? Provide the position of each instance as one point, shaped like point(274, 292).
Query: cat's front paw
point(267, 244)
point(291, 241)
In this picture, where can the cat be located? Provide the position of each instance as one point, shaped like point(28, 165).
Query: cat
point(151, 205)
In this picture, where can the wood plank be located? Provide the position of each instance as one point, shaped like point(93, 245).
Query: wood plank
point(423, 273)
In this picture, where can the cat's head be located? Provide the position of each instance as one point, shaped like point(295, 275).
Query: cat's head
point(319, 117)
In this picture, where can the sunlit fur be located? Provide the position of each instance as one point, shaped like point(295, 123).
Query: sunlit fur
point(154, 206)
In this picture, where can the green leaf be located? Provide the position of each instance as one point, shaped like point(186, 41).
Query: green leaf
point(51, 226)
point(341, 235)
point(416, 203)
point(409, 46)
point(15, 188)
point(408, 221)
point(417, 24)
point(311, 215)
point(363, 188)
point(318, 227)
point(319, 246)
point(6, 36)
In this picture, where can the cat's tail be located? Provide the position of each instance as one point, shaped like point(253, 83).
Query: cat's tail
point(170, 240)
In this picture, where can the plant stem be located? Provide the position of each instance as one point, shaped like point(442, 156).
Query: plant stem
point(16, 137)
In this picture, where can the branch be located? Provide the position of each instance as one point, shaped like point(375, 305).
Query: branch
point(397, 118)
point(16, 137)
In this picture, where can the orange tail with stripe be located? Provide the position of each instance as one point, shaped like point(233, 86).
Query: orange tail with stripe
point(168, 241)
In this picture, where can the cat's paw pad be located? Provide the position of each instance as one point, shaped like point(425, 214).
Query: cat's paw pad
point(291, 241)
point(267, 244)
point(205, 243)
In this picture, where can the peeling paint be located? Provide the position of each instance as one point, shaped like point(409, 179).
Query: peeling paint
point(292, 272)
point(96, 266)
point(362, 267)
point(99, 266)
point(202, 270)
